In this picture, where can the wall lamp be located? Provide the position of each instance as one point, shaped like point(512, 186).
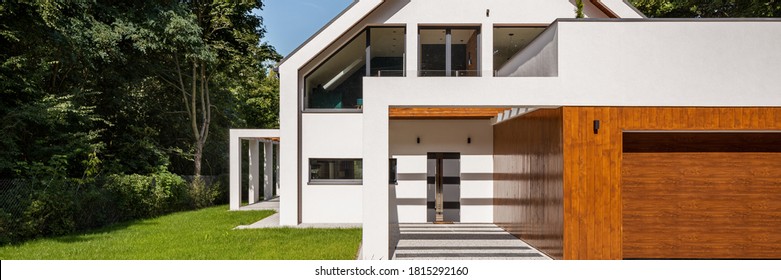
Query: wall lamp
point(596, 126)
point(418, 140)
point(469, 140)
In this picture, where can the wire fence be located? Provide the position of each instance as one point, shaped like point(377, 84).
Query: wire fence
point(15, 195)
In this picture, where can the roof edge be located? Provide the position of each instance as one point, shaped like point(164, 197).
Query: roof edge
point(318, 32)
point(611, 12)
point(602, 7)
point(632, 6)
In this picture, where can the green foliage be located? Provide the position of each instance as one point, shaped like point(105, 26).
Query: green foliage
point(148, 196)
point(708, 8)
point(50, 212)
point(201, 195)
point(579, 9)
point(90, 92)
point(83, 93)
point(258, 97)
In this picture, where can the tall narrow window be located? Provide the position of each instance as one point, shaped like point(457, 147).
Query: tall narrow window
point(386, 52)
point(464, 52)
point(449, 52)
point(337, 83)
point(432, 52)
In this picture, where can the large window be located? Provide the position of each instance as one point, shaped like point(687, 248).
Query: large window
point(335, 171)
point(508, 41)
point(387, 51)
point(449, 52)
point(337, 83)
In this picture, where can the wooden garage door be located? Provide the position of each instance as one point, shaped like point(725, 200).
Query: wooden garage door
point(701, 195)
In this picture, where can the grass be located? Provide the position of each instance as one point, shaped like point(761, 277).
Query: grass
point(205, 234)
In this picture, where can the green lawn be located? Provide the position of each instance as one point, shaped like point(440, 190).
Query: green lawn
point(203, 234)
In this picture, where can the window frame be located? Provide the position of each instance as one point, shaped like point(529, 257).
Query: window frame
point(367, 46)
point(448, 45)
point(543, 26)
point(311, 181)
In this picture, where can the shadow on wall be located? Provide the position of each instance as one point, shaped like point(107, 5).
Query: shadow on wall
point(394, 233)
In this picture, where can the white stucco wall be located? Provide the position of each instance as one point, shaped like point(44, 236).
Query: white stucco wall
point(673, 63)
point(290, 165)
point(330, 136)
point(443, 136)
point(623, 63)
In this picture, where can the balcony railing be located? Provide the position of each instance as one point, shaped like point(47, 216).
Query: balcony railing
point(453, 73)
point(389, 73)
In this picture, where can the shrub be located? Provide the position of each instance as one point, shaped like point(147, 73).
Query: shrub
point(6, 227)
point(60, 206)
point(51, 209)
point(148, 196)
point(97, 206)
point(202, 195)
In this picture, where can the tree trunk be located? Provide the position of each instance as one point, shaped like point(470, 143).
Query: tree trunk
point(198, 90)
point(198, 157)
point(206, 114)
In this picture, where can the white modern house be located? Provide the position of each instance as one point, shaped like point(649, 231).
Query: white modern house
point(512, 112)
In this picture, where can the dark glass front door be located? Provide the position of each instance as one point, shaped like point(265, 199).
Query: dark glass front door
point(444, 187)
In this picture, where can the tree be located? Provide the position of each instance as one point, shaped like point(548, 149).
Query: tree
point(100, 100)
point(120, 84)
point(46, 127)
point(708, 8)
point(211, 40)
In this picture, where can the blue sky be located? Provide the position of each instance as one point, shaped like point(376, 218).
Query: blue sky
point(290, 22)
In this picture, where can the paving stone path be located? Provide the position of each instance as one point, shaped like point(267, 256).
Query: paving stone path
point(461, 242)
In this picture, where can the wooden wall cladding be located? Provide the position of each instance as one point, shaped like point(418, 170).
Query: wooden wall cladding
point(592, 194)
point(593, 210)
point(528, 187)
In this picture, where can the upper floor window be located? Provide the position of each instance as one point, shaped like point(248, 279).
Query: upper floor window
point(510, 40)
point(337, 83)
point(449, 51)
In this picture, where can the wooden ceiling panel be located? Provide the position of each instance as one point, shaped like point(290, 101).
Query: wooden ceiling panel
point(444, 113)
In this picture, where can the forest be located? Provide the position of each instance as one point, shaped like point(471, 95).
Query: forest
point(113, 110)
